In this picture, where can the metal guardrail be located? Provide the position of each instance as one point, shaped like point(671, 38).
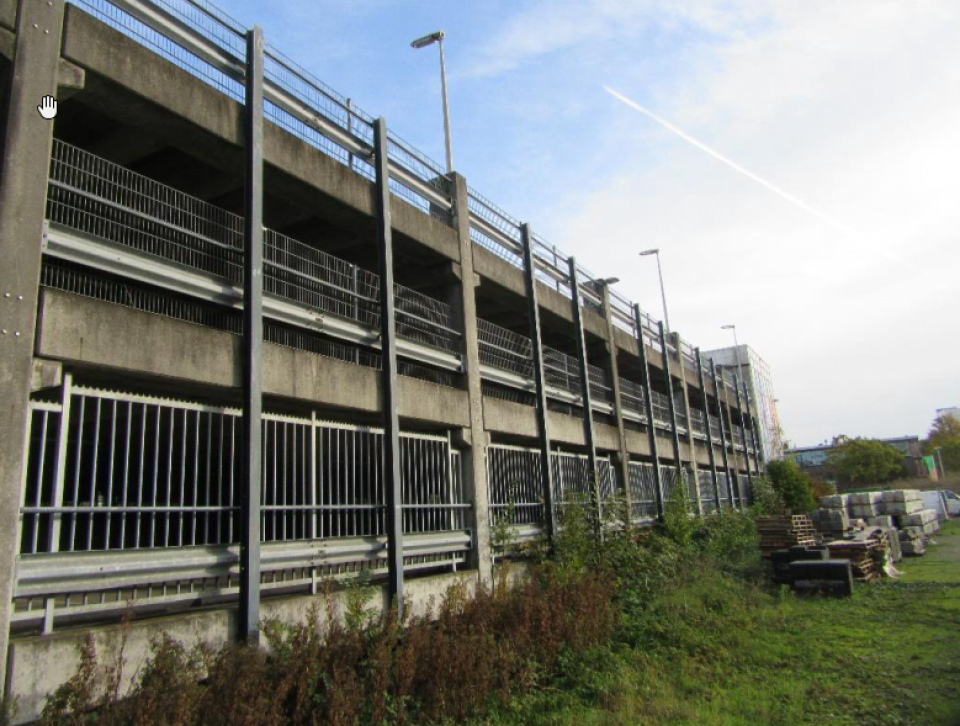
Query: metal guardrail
point(101, 199)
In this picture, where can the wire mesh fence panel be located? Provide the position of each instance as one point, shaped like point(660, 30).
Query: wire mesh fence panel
point(504, 349)
point(212, 24)
point(600, 387)
point(561, 370)
point(631, 397)
point(714, 429)
point(661, 408)
point(643, 486)
point(708, 499)
point(515, 485)
point(698, 422)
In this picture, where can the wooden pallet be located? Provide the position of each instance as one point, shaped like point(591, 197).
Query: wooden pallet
point(777, 533)
point(861, 556)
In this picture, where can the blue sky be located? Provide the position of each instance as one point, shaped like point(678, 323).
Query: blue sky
point(852, 107)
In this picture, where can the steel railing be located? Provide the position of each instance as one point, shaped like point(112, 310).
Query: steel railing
point(104, 200)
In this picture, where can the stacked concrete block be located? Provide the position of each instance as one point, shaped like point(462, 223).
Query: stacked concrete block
point(902, 501)
point(831, 523)
point(912, 542)
point(882, 520)
point(835, 501)
point(864, 505)
point(925, 518)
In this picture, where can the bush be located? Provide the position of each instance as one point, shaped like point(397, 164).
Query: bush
point(792, 485)
point(866, 461)
point(450, 663)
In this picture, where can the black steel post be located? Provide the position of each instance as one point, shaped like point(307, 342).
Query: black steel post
point(748, 402)
point(718, 386)
point(671, 404)
point(252, 345)
point(735, 493)
point(648, 406)
point(585, 394)
point(706, 413)
point(613, 370)
point(743, 435)
point(530, 279)
point(388, 374)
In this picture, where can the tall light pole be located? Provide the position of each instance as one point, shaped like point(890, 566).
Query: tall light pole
point(423, 43)
point(663, 294)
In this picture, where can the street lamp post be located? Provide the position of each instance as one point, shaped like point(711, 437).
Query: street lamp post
point(423, 42)
point(663, 294)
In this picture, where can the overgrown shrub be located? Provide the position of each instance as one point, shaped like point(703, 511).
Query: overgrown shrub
point(601, 586)
point(452, 662)
point(792, 485)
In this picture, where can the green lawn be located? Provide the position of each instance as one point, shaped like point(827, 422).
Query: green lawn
point(716, 650)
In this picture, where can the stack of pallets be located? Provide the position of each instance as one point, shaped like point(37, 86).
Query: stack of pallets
point(864, 556)
point(777, 533)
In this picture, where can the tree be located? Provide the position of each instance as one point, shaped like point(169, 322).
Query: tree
point(945, 433)
point(865, 461)
point(792, 485)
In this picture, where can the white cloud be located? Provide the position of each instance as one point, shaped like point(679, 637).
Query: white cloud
point(852, 107)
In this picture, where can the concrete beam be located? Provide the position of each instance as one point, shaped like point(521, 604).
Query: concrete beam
point(93, 334)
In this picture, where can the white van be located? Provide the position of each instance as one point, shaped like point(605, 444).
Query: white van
point(945, 502)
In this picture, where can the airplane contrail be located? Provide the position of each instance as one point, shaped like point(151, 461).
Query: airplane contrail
point(735, 166)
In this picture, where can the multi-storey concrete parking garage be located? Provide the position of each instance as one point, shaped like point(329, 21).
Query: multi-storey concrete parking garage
point(153, 456)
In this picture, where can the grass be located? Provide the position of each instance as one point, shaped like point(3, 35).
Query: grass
point(717, 649)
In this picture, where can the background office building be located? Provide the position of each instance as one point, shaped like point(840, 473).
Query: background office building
point(763, 401)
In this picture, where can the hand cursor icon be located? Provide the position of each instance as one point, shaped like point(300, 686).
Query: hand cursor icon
point(48, 107)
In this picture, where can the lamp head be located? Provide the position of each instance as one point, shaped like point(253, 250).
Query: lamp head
point(654, 251)
point(728, 327)
point(427, 40)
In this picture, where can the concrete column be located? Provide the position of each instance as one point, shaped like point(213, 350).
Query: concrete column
point(23, 193)
point(474, 455)
point(613, 371)
point(252, 474)
point(691, 444)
